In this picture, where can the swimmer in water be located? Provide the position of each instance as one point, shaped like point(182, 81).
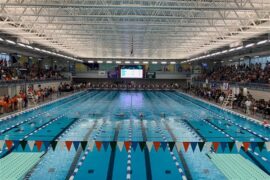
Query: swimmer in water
point(141, 115)
point(121, 114)
point(21, 129)
point(163, 115)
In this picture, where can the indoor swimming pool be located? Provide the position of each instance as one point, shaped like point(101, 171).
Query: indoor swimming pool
point(134, 129)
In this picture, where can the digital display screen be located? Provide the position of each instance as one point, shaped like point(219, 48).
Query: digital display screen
point(131, 71)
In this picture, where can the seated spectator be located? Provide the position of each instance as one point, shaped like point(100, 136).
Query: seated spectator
point(238, 74)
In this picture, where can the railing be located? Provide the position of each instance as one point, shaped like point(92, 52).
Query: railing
point(256, 86)
point(23, 81)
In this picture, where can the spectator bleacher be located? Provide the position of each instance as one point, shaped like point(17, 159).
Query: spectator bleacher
point(253, 73)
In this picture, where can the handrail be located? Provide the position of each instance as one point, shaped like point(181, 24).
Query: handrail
point(21, 81)
point(258, 86)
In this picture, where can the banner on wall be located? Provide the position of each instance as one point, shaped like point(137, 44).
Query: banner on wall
point(151, 75)
point(101, 73)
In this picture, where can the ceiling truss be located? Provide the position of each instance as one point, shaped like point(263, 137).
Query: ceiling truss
point(165, 29)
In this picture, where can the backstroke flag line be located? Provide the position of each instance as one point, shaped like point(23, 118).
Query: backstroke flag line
point(38, 145)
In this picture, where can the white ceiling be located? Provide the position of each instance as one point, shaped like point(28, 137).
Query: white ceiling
point(154, 29)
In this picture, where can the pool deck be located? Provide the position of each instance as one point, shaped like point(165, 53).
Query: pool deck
point(65, 94)
point(32, 105)
point(256, 117)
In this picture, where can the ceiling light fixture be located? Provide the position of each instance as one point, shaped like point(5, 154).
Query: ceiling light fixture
point(10, 42)
point(262, 42)
point(250, 45)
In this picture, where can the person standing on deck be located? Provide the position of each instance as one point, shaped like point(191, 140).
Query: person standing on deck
point(248, 104)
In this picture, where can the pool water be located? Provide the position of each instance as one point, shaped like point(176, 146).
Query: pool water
point(115, 116)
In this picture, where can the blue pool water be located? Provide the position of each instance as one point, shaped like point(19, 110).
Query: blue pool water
point(115, 116)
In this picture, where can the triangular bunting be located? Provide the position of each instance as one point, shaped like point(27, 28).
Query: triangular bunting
point(83, 145)
point(223, 146)
point(193, 145)
point(163, 145)
point(9, 144)
point(171, 145)
point(178, 146)
point(142, 145)
point(31, 144)
point(246, 145)
point(105, 145)
point(91, 145)
point(120, 145)
point(207, 146)
point(134, 145)
point(68, 144)
point(113, 145)
point(98, 145)
point(260, 145)
point(39, 144)
point(127, 145)
point(231, 145)
point(238, 145)
point(1, 144)
point(215, 146)
point(76, 144)
point(16, 144)
point(201, 144)
point(149, 145)
point(63, 145)
point(186, 145)
point(156, 145)
point(267, 146)
point(253, 145)
point(23, 144)
point(53, 144)
point(46, 144)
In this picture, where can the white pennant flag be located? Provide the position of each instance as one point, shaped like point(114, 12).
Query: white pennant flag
point(62, 145)
point(120, 145)
point(149, 145)
point(91, 145)
point(1, 144)
point(178, 146)
point(267, 145)
point(31, 144)
point(207, 146)
point(238, 145)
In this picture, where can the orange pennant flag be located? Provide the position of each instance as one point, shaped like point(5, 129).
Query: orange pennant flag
point(127, 145)
point(246, 145)
point(39, 144)
point(68, 144)
point(98, 145)
point(9, 144)
point(186, 145)
point(156, 145)
point(215, 146)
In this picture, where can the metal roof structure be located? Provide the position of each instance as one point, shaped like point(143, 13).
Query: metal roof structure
point(139, 29)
